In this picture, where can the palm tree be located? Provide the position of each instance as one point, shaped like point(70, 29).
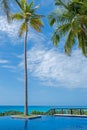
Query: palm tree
point(71, 22)
point(30, 19)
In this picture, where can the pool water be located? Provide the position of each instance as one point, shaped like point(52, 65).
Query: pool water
point(44, 123)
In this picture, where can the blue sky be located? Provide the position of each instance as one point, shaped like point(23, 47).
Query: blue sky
point(54, 78)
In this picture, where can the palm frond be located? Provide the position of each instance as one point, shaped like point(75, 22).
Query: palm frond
point(64, 29)
point(29, 6)
point(59, 18)
point(22, 4)
point(75, 24)
point(60, 32)
point(70, 42)
point(82, 39)
point(79, 23)
point(52, 20)
point(19, 4)
point(83, 20)
point(17, 16)
point(77, 6)
point(36, 23)
point(6, 9)
point(23, 28)
point(61, 3)
point(37, 16)
point(55, 38)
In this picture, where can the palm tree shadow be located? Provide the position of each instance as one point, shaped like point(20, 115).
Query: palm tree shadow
point(26, 125)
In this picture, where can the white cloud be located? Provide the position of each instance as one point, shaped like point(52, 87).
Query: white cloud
point(3, 61)
point(54, 68)
point(11, 28)
point(9, 67)
point(8, 32)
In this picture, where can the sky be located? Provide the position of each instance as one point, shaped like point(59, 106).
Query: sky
point(53, 77)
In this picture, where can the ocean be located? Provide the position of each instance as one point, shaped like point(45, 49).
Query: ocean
point(37, 108)
point(21, 108)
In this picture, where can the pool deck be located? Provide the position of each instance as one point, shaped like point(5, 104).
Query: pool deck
point(70, 115)
point(25, 117)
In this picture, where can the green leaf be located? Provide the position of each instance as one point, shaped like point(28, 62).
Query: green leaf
point(82, 39)
point(23, 28)
point(63, 29)
point(36, 23)
point(17, 16)
point(6, 8)
point(61, 3)
point(55, 39)
point(52, 21)
point(70, 42)
point(37, 16)
point(22, 4)
point(18, 3)
point(29, 6)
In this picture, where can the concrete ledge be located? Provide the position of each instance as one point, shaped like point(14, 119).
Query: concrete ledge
point(70, 115)
point(25, 117)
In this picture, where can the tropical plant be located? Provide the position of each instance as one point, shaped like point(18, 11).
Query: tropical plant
point(30, 19)
point(70, 21)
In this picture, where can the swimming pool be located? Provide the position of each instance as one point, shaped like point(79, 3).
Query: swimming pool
point(44, 123)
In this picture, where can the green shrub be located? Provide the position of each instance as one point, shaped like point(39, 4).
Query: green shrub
point(7, 113)
point(37, 113)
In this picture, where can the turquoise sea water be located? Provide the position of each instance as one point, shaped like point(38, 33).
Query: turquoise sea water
point(21, 108)
point(38, 108)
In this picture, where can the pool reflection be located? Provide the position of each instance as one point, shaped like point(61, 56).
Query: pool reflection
point(26, 124)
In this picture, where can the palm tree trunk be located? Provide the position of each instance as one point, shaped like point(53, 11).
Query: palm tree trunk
point(25, 74)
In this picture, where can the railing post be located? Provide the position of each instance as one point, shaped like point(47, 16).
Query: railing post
point(71, 111)
point(62, 111)
point(80, 112)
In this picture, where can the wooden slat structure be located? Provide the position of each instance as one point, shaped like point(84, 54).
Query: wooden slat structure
point(72, 111)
